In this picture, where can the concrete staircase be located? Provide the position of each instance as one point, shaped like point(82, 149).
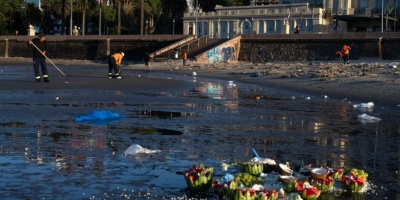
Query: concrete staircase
point(192, 48)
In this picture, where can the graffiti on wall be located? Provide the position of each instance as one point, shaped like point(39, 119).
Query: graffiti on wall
point(221, 54)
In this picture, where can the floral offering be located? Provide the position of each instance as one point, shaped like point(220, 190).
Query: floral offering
point(199, 178)
point(249, 182)
point(354, 181)
point(323, 184)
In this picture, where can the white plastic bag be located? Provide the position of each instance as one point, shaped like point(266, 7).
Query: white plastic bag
point(364, 118)
point(136, 149)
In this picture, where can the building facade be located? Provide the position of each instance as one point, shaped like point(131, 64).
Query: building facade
point(270, 17)
point(227, 22)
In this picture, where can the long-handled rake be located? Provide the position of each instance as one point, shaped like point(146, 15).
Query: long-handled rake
point(49, 60)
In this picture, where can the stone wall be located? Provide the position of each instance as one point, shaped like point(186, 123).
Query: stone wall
point(254, 47)
point(270, 48)
point(276, 50)
point(87, 47)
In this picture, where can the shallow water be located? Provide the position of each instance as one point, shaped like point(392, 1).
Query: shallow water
point(45, 154)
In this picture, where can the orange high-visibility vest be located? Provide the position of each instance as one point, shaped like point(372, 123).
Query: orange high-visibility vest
point(346, 49)
point(184, 55)
point(118, 58)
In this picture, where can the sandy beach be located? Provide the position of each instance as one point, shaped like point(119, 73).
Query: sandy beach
point(363, 80)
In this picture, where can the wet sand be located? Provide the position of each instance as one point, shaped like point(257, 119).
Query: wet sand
point(361, 80)
point(17, 73)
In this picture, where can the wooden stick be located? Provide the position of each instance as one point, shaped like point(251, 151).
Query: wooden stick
point(49, 59)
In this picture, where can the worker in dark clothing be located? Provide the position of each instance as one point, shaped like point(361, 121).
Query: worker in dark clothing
point(114, 62)
point(39, 52)
point(146, 61)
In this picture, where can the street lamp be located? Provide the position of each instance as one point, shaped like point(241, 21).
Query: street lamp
point(173, 26)
point(197, 11)
point(382, 18)
point(70, 21)
point(100, 18)
point(147, 26)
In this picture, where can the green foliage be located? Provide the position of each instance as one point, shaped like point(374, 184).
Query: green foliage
point(8, 10)
point(17, 15)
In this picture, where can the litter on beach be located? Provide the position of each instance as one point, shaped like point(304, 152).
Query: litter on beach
point(137, 149)
point(364, 118)
point(99, 115)
point(364, 105)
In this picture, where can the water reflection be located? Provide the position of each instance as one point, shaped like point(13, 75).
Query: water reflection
point(217, 90)
point(166, 114)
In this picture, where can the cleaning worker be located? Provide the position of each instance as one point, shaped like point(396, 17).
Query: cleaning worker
point(114, 62)
point(346, 51)
point(184, 57)
point(39, 51)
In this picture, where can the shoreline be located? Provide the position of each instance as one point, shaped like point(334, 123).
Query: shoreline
point(362, 80)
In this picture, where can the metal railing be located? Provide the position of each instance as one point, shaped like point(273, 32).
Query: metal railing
point(172, 46)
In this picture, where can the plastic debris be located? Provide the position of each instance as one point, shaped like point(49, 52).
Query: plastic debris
point(99, 115)
point(364, 105)
point(228, 177)
point(255, 153)
point(137, 149)
point(231, 84)
point(364, 118)
point(194, 74)
point(258, 74)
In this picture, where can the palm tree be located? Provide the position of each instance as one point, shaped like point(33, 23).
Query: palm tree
point(57, 10)
point(83, 6)
point(31, 15)
point(150, 10)
point(127, 6)
point(171, 9)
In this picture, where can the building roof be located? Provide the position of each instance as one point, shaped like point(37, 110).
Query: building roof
point(293, 5)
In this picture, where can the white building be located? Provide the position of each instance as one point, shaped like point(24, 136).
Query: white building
point(287, 16)
point(226, 22)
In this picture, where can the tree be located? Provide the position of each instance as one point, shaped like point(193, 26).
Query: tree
point(171, 9)
point(83, 6)
point(9, 16)
point(31, 15)
point(127, 6)
point(56, 10)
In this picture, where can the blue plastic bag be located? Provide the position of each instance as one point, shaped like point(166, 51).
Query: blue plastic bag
point(99, 115)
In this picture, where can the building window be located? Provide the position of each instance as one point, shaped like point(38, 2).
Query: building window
point(270, 27)
point(363, 4)
point(278, 26)
point(261, 27)
point(335, 6)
